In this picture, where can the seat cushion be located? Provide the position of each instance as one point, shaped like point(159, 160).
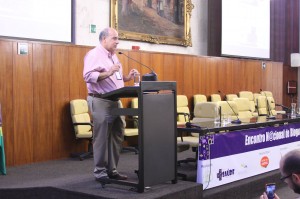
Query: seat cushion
point(81, 118)
point(131, 132)
point(87, 134)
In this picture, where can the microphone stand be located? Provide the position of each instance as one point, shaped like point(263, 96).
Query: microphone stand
point(237, 121)
point(152, 76)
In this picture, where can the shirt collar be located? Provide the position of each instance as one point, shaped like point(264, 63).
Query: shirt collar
point(109, 55)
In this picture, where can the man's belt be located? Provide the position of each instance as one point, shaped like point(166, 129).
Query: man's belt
point(101, 97)
point(96, 95)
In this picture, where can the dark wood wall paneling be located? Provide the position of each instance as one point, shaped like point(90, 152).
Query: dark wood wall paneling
point(36, 90)
point(6, 96)
point(35, 93)
point(291, 44)
point(42, 97)
point(23, 106)
point(214, 27)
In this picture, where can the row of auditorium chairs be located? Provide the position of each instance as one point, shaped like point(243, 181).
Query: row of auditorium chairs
point(245, 104)
point(262, 103)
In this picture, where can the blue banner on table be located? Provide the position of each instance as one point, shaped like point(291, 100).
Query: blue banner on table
point(232, 156)
point(2, 154)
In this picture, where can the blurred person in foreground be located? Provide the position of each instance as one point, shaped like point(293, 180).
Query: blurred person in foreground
point(290, 172)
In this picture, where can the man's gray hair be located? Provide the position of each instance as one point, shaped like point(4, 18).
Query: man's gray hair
point(104, 33)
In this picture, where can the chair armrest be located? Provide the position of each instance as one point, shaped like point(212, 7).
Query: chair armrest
point(83, 123)
point(185, 115)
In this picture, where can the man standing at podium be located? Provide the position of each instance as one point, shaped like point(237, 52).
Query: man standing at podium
point(104, 73)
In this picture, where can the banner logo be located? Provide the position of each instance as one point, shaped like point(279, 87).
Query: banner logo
point(226, 173)
point(264, 162)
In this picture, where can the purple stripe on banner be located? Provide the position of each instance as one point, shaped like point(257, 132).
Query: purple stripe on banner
point(225, 144)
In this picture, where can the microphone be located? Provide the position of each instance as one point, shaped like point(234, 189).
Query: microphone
point(285, 108)
point(237, 121)
point(190, 125)
point(152, 76)
point(272, 117)
point(220, 94)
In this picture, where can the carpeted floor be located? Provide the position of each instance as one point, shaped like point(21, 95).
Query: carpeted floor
point(76, 176)
point(71, 178)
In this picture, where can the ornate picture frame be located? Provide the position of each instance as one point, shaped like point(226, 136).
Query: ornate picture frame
point(153, 21)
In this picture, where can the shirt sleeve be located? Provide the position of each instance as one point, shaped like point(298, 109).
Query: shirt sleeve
point(92, 68)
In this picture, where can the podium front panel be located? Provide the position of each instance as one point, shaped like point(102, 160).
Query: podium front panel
point(159, 136)
point(157, 131)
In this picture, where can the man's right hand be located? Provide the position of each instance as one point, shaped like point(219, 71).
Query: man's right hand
point(114, 69)
point(110, 72)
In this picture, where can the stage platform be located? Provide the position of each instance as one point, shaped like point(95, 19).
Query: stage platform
point(71, 178)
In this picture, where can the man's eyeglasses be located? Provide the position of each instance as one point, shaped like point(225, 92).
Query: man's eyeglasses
point(285, 177)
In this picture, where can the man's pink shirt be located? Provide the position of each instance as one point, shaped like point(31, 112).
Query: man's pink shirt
point(100, 60)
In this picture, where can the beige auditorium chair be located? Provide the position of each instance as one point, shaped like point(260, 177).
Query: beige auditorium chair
point(272, 107)
point(266, 93)
point(272, 103)
point(129, 132)
point(228, 108)
point(250, 96)
point(135, 104)
point(199, 98)
point(255, 96)
point(244, 108)
point(204, 111)
point(183, 116)
point(83, 126)
point(262, 107)
point(183, 111)
point(215, 98)
point(230, 97)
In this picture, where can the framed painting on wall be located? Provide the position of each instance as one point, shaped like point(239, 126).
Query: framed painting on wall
point(153, 21)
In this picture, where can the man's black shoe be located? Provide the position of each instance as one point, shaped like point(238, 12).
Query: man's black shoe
point(117, 176)
point(104, 179)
